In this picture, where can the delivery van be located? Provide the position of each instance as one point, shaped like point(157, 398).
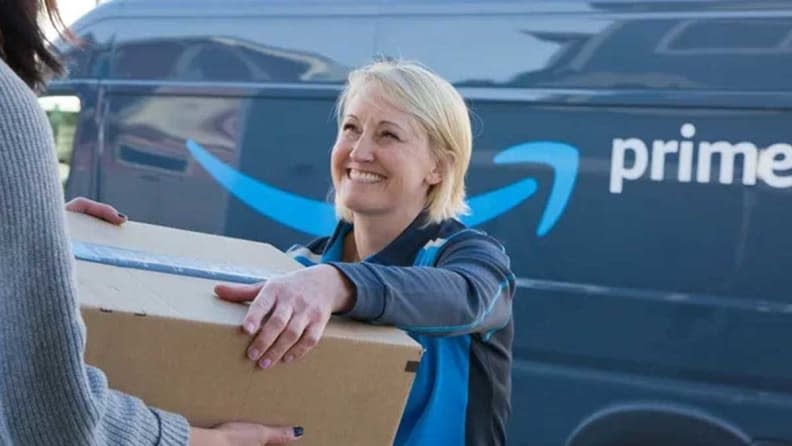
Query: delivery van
point(635, 158)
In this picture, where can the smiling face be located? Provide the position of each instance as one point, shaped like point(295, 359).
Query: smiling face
point(381, 162)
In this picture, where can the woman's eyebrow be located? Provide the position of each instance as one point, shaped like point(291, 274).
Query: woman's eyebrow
point(392, 123)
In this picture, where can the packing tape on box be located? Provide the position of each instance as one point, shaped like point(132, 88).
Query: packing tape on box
point(182, 266)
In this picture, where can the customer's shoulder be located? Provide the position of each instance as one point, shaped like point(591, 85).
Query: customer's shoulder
point(20, 113)
point(15, 93)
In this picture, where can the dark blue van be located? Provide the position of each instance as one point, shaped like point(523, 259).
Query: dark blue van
point(633, 156)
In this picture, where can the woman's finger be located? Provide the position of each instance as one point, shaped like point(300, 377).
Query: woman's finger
point(97, 210)
point(272, 328)
point(238, 292)
point(258, 310)
point(309, 340)
point(290, 336)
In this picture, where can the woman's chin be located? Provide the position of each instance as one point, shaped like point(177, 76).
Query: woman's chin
point(364, 210)
point(363, 207)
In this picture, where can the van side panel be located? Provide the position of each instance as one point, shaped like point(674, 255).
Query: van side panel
point(664, 278)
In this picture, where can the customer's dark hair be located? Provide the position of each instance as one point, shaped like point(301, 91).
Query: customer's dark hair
point(23, 45)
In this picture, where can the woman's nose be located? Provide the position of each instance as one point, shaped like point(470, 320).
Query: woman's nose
point(363, 150)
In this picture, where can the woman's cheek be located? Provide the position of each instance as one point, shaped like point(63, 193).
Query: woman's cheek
point(336, 163)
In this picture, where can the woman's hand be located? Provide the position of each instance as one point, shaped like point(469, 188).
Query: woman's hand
point(243, 434)
point(95, 209)
point(299, 305)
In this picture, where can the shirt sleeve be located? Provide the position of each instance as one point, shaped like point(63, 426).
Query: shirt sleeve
point(469, 290)
point(48, 395)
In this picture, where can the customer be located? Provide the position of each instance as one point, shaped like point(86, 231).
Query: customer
point(400, 257)
point(48, 395)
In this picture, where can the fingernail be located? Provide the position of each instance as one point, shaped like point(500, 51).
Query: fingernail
point(250, 328)
point(298, 431)
point(254, 354)
point(288, 358)
point(264, 363)
point(122, 216)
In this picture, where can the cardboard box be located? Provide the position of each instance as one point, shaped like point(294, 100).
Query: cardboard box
point(168, 340)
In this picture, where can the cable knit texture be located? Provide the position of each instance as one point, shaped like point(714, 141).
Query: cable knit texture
point(48, 396)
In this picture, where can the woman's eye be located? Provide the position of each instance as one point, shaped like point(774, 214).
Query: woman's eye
point(390, 135)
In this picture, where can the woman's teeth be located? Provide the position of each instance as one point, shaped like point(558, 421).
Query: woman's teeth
point(364, 177)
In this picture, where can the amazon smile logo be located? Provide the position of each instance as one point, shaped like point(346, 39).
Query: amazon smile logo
point(318, 218)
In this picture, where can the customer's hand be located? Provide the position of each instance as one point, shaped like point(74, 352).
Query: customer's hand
point(95, 209)
point(299, 305)
point(243, 434)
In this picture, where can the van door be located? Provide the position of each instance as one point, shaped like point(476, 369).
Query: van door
point(73, 105)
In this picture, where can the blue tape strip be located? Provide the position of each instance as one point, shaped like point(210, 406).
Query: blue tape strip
point(181, 266)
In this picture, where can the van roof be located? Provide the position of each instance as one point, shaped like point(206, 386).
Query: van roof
point(203, 8)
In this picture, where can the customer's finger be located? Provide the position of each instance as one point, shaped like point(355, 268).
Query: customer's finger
point(95, 209)
point(280, 435)
point(256, 434)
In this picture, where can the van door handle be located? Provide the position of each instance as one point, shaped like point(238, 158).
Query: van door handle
point(148, 158)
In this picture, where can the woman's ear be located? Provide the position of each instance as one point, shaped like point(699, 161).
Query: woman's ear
point(438, 172)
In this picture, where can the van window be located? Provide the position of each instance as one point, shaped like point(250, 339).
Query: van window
point(147, 59)
point(241, 49)
point(89, 55)
point(708, 37)
point(62, 112)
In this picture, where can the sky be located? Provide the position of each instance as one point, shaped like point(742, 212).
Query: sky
point(71, 10)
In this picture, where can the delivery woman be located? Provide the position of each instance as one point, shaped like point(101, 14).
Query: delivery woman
point(399, 256)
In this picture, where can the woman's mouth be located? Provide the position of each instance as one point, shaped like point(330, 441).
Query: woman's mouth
point(362, 176)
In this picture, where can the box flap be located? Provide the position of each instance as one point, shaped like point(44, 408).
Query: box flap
point(142, 292)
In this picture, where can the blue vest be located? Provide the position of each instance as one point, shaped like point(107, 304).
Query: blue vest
point(436, 408)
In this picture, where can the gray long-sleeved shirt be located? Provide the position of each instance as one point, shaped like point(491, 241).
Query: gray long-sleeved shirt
point(48, 395)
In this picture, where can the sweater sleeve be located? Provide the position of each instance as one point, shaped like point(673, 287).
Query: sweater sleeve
point(48, 395)
point(469, 290)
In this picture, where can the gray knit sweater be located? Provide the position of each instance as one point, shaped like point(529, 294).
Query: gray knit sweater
point(48, 395)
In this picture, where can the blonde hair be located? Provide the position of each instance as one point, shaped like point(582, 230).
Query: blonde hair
point(439, 109)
